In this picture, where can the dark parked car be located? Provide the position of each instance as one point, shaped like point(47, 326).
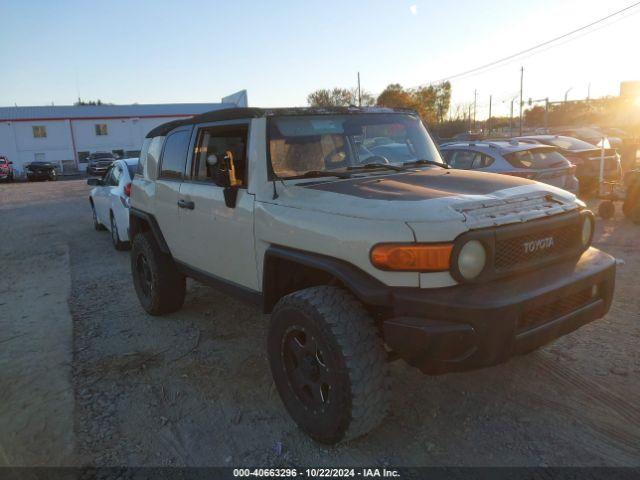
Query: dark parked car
point(41, 171)
point(6, 169)
point(586, 158)
point(588, 134)
point(99, 162)
point(535, 162)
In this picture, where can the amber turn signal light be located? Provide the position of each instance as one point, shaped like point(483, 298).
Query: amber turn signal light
point(411, 257)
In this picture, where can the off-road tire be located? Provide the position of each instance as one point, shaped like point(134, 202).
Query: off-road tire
point(165, 290)
point(115, 235)
point(96, 224)
point(350, 344)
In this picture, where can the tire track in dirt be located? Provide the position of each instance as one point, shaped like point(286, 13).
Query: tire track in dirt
point(611, 417)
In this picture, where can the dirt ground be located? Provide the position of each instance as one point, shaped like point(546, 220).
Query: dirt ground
point(88, 378)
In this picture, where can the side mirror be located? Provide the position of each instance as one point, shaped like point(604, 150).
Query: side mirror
point(10, 163)
point(225, 176)
point(95, 182)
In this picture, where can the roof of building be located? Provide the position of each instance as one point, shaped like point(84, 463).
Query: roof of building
point(239, 113)
point(65, 112)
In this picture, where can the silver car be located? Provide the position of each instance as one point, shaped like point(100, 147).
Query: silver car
point(542, 163)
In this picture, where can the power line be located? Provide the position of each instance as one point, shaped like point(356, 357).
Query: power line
point(535, 47)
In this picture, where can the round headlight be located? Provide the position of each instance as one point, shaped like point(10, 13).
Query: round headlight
point(587, 231)
point(471, 259)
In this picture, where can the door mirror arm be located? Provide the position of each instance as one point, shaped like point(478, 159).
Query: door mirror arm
point(230, 196)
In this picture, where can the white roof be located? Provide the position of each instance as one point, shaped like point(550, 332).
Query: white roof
point(63, 112)
point(108, 111)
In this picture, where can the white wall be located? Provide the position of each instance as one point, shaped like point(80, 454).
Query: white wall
point(19, 145)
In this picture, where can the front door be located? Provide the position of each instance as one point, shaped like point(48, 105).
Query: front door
point(220, 238)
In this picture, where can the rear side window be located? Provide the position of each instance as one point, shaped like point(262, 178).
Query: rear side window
point(536, 159)
point(142, 158)
point(174, 155)
point(468, 159)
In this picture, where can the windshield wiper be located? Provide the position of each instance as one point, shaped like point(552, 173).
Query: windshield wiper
point(369, 166)
point(322, 173)
point(423, 161)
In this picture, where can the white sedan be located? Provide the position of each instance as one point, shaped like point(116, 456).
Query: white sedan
point(110, 200)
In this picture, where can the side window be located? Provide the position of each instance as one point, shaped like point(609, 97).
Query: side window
point(142, 161)
point(116, 175)
point(216, 145)
point(481, 161)
point(462, 159)
point(174, 155)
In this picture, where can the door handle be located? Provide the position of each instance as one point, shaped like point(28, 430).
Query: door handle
point(186, 204)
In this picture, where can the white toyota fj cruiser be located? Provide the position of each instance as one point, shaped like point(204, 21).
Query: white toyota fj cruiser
point(347, 227)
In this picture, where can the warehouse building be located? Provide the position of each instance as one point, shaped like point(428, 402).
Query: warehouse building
point(66, 135)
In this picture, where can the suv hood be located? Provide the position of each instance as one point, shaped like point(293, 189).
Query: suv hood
point(428, 195)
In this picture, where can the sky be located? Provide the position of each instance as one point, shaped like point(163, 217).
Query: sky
point(160, 51)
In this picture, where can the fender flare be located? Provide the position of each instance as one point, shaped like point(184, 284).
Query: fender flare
point(149, 219)
point(366, 288)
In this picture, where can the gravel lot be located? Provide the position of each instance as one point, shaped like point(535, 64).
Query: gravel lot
point(89, 378)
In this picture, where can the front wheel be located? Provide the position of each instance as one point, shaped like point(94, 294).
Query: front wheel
point(328, 363)
point(159, 285)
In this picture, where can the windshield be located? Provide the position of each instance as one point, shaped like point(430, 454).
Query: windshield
point(301, 144)
point(539, 158)
point(101, 156)
point(568, 143)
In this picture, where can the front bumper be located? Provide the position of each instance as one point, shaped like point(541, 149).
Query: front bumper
point(478, 325)
point(39, 175)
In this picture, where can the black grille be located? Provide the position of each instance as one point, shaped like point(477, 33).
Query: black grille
point(550, 311)
point(531, 248)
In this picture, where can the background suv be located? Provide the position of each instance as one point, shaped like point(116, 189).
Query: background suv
point(99, 162)
point(535, 162)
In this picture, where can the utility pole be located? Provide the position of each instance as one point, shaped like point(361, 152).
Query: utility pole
point(489, 122)
point(546, 114)
point(475, 103)
point(589, 91)
point(521, 103)
point(566, 94)
point(511, 118)
point(359, 93)
point(470, 118)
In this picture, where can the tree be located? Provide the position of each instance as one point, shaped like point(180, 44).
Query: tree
point(394, 96)
point(431, 102)
point(443, 100)
point(82, 103)
point(339, 97)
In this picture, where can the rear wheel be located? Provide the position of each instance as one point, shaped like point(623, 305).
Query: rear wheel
point(159, 285)
point(96, 224)
point(607, 209)
point(328, 363)
point(115, 236)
